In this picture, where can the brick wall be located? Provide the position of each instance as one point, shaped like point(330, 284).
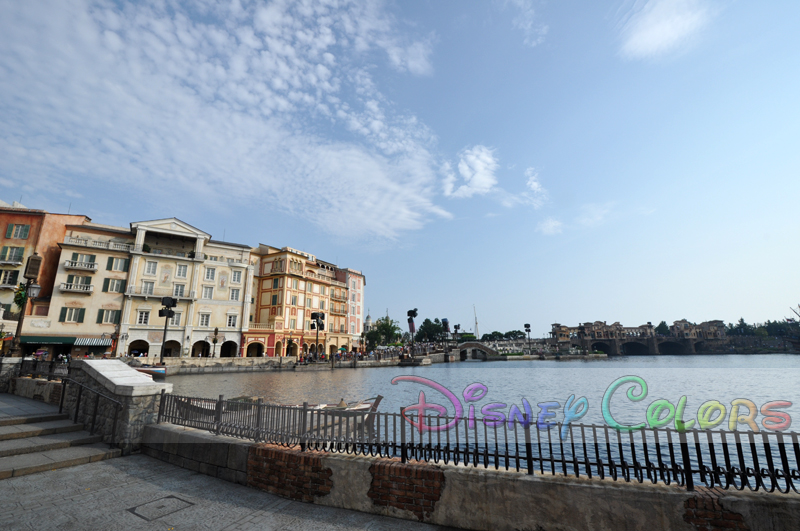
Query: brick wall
point(705, 512)
point(287, 472)
point(415, 488)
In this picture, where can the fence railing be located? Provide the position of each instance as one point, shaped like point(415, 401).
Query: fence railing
point(117, 405)
point(757, 461)
point(43, 369)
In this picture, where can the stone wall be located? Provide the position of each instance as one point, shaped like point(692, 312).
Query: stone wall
point(468, 497)
point(217, 365)
point(37, 389)
point(9, 368)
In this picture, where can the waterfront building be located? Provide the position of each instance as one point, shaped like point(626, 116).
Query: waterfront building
point(356, 284)
point(211, 281)
point(88, 296)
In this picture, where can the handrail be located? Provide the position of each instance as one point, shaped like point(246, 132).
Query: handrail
point(98, 394)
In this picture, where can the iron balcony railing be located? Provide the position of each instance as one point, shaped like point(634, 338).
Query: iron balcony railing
point(77, 288)
point(84, 266)
point(11, 260)
point(727, 459)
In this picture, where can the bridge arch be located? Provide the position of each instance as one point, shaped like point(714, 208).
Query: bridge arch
point(671, 348)
point(601, 347)
point(633, 348)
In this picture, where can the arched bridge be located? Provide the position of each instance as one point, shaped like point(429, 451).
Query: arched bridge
point(473, 350)
point(634, 346)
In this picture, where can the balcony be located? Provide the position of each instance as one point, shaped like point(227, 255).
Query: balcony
point(13, 260)
point(138, 291)
point(339, 284)
point(98, 244)
point(83, 266)
point(77, 288)
point(261, 326)
point(339, 312)
point(339, 297)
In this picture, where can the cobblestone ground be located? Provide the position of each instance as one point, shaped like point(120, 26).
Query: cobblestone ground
point(138, 492)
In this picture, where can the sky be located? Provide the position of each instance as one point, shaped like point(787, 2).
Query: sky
point(522, 160)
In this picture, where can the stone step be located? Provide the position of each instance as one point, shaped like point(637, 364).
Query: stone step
point(35, 429)
point(9, 421)
point(29, 445)
point(21, 465)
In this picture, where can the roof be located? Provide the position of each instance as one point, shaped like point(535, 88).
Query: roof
point(243, 246)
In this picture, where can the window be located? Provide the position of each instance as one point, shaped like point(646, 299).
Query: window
point(354, 297)
point(108, 316)
point(294, 284)
point(274, 283)
point(19, 232)
point(232, 321)
point(321, 305)
point(12, 254)
point(210, 272)
point(83, 258)
point(352, 329)
point(182, 254)
point(208, 292)
point(72, 315)
point(150, 268)
point(205, 319)
point(309, 286)
point(180, 272)
point(236, 277)
point(213, 258)
point(294, 300)
point(323, 290)
point(178, 290)
point(274, 300)
point(9, 278)
point(147, 287)
point(293, 324)
point(353, 310)
point(176, 319)
point(117, 264)
point(234, 294)
point(354, 284)
point(144, 317)
point(341, 329)
point(76, 280)
point(308, 302)
point(113, 285)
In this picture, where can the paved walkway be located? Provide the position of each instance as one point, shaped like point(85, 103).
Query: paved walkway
point(138, 492)
point(17, 406)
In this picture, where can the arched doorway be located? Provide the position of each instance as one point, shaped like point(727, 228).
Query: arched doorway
point(228, 349)
point(601, 347)
point(312, 350)
point(305, 349)
point(291, 349)
point(278, 349)
point(201, 349)
point(332, 350)
point(137, 348)
point(255, 350)
point(172, 349)
point(321, 349)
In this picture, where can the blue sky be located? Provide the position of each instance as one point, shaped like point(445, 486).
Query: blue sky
point(544, 161)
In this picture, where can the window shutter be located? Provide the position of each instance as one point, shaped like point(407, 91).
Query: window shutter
point(87, 281)
point(4, 253)
point(63, 316)
point(10, 230)
point(81, 314)
point(74, 257)
point(125, 264)
point(92, 257)
point(14, 278)
point(99, 316)
point(105, 285)
point(70, 278)
point(110, 263)
point(116, 316)
point(25, 231)
point(124, 284)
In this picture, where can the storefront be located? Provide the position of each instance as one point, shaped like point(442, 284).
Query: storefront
point(92, 347)
point(46, 347)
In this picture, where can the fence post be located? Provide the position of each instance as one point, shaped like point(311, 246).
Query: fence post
point(403, 448)
point(528, 446)
point(303, 428)
point(161, 405)
point(687, 463)
point(258, 419)
point(218, 415)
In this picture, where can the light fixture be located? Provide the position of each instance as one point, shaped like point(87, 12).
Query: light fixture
point(33, 290)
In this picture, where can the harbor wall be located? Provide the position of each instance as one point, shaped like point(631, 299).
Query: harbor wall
point(467, 497)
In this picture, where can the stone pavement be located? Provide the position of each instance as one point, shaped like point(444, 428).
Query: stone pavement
point(17, 406)
point(138, 492)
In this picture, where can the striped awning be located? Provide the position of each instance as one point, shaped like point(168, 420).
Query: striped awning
point(92, 342)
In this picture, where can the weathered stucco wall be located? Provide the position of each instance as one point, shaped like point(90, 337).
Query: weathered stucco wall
point(471, 498)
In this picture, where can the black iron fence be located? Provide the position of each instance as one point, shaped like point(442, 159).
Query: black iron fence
point(44, 369)
point(758, 461)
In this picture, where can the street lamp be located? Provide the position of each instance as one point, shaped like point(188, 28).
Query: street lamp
point(317, 323)
point(32, 290)
point(411, 314)
point(167, 313)
point(528, 330)
point(214, 340)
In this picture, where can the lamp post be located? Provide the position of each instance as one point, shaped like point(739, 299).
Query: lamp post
point(167, 313)
point(528, 330)
point(411, 314)
point(317, 323)
point(214, 340)
point(32, 290)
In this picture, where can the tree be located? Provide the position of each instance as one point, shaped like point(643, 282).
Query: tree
point(387, 329)
point(20, 296)
point(662, 328)
point(494, 336)
point(514, 334)
point(373, 338)
point(430, 330)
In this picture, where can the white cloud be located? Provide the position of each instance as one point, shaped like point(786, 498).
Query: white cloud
point(550, 226)
point(657, 27)
point(535, 194)
point(526, 21)
point(221, 105)
point(476, 167)
point(594, 214)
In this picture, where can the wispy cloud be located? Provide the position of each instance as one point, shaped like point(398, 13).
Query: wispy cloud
point(213, 100)
point(534, 195)
point(653, 28)
point(526, 20)
point(476, 168)
point(594, 214)
point(550, 226)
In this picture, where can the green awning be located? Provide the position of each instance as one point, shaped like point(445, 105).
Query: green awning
point(47, 340)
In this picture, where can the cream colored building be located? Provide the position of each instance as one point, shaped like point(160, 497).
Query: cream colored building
point(87, 298)
point(211, 280)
